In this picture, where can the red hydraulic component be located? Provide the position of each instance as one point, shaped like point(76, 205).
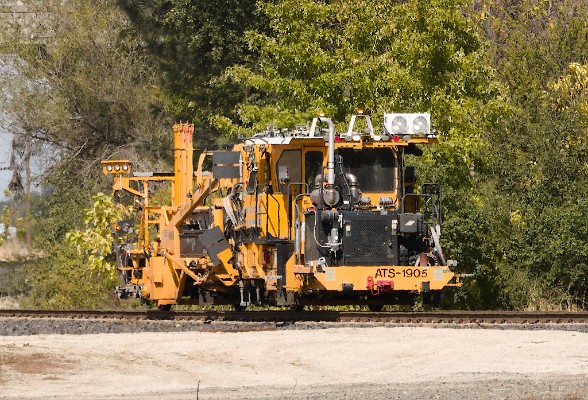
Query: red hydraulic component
point(267, 257)
point(370, 284)
point(423, 260)
point(380, 286)
point(385, 286)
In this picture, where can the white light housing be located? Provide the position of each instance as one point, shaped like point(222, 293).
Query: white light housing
point(421, 124)
point(116, 166)
point(408, 124)
point(398, 125)
point(356, 137)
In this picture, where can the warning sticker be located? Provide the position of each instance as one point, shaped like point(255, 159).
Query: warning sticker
point(329, 274)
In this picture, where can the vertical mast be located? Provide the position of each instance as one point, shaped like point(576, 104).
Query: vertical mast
point(183, 167)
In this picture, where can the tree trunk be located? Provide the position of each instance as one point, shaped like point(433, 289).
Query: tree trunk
point(27, 196)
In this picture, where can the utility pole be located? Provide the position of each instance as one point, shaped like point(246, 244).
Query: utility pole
point(27, 196)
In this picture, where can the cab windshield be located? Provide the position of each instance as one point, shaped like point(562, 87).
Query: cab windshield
point(374, 168)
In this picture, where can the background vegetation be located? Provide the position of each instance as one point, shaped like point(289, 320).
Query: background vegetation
point(506, 83)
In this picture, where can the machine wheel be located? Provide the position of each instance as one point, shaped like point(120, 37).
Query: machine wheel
point(376, 307)
point(238, 307)
point(297, 307)
point(434, 299)
point(164, 307)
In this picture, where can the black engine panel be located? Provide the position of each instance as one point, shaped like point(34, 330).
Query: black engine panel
point(367, 237)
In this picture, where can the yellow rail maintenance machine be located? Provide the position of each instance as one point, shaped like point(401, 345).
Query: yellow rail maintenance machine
point(289, 218)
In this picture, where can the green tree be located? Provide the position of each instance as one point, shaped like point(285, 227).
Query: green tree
point(192, 43)
point(84, 87)
point(338, 56)
point(85, 92)
point(97, 239)
point(538, 150)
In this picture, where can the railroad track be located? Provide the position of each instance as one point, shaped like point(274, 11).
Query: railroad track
point(206, 316)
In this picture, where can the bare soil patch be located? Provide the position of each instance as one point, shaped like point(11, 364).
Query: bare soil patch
point(24, 363)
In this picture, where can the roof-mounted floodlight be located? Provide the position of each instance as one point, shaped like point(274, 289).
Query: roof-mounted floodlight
point(353, 133)
point(418, 124)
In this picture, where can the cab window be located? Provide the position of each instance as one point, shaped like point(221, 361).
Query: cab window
point(374, 168)
point(289, 170)
point(313, 165)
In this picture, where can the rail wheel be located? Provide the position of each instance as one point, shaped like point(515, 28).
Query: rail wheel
point(434, 299)
point(297, 307)
point(376, 307)
point(164, 307)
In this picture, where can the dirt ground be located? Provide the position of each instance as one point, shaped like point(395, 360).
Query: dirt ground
point(332, 363)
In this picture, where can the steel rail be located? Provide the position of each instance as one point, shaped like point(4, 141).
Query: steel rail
point(425, 317)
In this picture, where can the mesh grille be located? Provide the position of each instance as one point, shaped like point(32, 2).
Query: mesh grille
point(370, 239)
point(367, 238)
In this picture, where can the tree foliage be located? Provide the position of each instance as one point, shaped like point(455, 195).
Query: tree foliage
point(506, 83)
point(85, 92)
point(380, 56)
point(538, 50)
point(192, 43)
point(96, 241)
point(61, 280)
point(340, 55)
point(86, 89)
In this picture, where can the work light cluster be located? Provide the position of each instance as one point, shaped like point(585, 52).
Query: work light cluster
point(117, 167)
